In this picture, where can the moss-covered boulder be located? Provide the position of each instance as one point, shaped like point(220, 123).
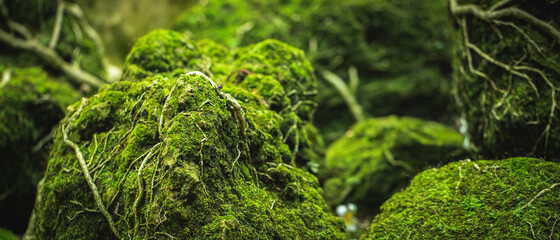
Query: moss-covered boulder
point(378, 157)
point(514, 198)
point(278, 76)
point(177, 155)
point(31, 104)
point(507, 71)
point(400, 49)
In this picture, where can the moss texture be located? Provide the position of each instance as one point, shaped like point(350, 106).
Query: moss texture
point(31, 104)
point(507, 78)
point(378, 157)
point(399, 48)
point(75, 44)
point(175, 157)
point(514, 198)
point(274, 76)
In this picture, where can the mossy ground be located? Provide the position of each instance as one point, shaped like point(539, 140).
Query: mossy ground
point(172, 156)
point(507, 75)
point(514, 198)
point(31, 104)
point(379, 156)
point(399, 48)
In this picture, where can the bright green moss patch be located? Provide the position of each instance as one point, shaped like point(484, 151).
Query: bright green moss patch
point(268, 75)
point(377, 157)
point(515, 198)
point(176, 157)
point(507, 78)
point(8, 235)
point(399, 48)
point(31, 104)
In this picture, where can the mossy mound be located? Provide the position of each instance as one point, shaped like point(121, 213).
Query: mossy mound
point(177, 157)
point(399, 48)
point(507, 72)
point(31, 104)
point(515, 198)
point(274, 76)
point(76, 43)
point(377, 157)
point(7, 235)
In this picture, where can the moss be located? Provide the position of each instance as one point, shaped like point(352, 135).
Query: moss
point(31, 104)
point(377, 158)
point(175, 148)
point(504, 199)
point(400, 48)
point(269, 75)
point(7, 235)
point(508, 113)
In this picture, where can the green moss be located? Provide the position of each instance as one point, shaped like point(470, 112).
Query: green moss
point(508, 113)
point(202, 175)
point(31, 104)
point(377, 157)
point(7, 235)
point(400, 48)
point(269, 75)
point(475, 200)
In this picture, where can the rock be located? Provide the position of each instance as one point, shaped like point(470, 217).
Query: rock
point(31, 104)
point(177, 155)
point(513, 198)
point(506, 76)
point(379, 156)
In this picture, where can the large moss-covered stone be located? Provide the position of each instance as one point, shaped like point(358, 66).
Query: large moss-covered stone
point(399, 48)
point(507, 75)
point(279, 76)
point(174, 155)
point(514, 198)
point(31, 104)
point(377, 157)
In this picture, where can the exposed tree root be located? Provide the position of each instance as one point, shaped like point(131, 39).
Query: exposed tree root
point(99, 202)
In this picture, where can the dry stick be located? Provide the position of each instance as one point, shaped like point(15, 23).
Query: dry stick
point(85, 170)
point(506, 12)
point(350, 99)
point(51, 57)
point(539, 194)
point(140, 189)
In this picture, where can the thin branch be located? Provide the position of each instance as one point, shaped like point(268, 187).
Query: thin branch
point(51, 57)
point(57, 25)
point(539, 194)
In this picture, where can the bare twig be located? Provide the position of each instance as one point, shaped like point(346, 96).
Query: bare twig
point(57, 25)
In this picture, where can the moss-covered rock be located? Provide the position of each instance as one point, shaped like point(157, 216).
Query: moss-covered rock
point(515, 198)
point(8, 235)
point(31, 104)
point(274, 76)
point(176, 157)
point(507, 75)
point(399, 48)
point(377, 157)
